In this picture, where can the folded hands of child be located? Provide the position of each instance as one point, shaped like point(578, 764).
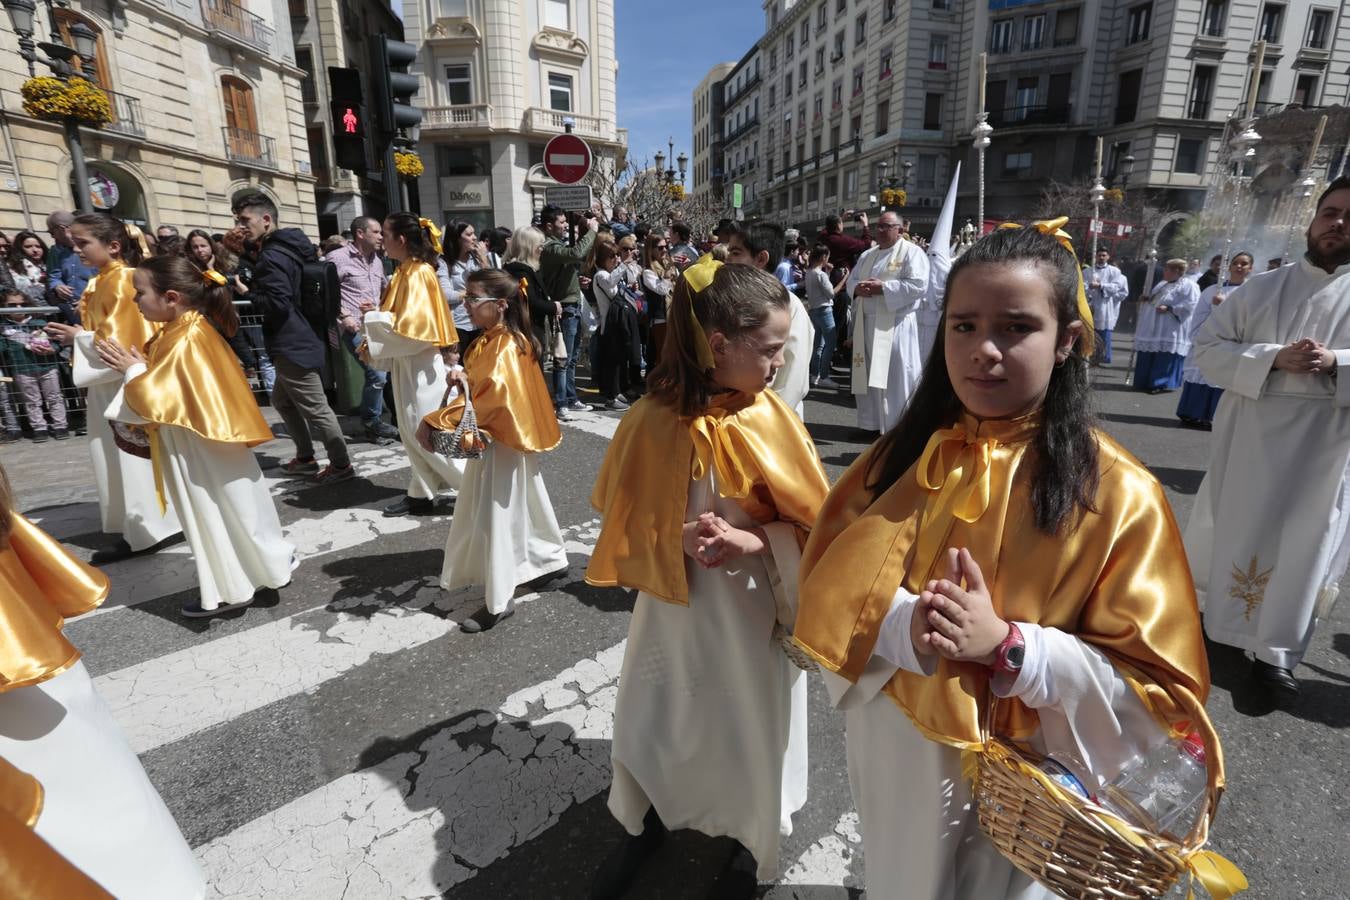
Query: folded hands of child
point(115, 357)
point(711, 541)
point(958, 622)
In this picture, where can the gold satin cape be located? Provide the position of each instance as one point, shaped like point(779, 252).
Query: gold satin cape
point(108, 308)
point(764, 460)
point(194, 381)
point(41, 585)
point(29, 867)
point(1119, 581)
point(420, 310)
point(510, 399)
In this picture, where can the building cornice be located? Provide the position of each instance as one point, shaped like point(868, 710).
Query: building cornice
point(454, 32)
point(563, 46)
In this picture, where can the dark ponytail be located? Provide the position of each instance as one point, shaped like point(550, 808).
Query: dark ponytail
point(109, 230)
point(199, 292)
point(409, 227)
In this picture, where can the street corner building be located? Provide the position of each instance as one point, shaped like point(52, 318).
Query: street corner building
point(205, 100)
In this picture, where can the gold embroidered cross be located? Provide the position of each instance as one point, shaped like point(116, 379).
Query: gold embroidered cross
point(1250, 586)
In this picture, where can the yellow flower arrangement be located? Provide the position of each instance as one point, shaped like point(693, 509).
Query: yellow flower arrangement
point(893, 197)
point(676, 192)
point(408, 164)
point(46, 97)
point(1115, 195)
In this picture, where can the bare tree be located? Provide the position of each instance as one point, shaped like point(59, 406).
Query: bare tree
point(1074, 199)
point(646, 193)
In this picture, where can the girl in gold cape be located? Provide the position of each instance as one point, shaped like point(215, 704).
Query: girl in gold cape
point(94, 816)
point(995, 478)
point(707, 493)
point(408, 336)
point(504, 532)
point(125, 483)
point(190, 395)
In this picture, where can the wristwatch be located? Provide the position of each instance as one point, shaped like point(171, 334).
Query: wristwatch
point(1008, 655)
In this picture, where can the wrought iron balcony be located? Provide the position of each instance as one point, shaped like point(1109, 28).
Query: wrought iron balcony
point(250, 148)
point(229, 18)
point(455, 118)
point(1016, 116)
point(126, 115)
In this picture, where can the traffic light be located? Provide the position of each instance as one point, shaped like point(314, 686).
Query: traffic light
point(392, 86)
point(349, 118)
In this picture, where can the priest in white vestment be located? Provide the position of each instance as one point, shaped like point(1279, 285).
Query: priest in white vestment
point(1267, 538)
point(1106, 288)
point(887, 285)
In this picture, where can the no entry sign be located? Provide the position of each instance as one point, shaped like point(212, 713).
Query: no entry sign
point(567, 159)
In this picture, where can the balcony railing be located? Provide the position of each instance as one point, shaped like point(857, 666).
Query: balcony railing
point(1014, 116)
point(749, 85)
point(550, 121)
point(126, 115)
point(454, 118)
point(250, 148)
point(230, 18)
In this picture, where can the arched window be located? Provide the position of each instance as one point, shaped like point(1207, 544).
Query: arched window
point(241, 119)
point(100, 73)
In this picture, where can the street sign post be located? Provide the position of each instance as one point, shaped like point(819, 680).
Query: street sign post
point(567, 159)
point(572, 197)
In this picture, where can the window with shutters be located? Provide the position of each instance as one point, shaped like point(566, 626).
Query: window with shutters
point(99, 73)
point(241, 118)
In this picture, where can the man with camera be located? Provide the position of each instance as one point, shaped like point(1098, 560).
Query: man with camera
point(559, 267)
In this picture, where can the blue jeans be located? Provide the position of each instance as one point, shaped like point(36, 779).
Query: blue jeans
point(565, 374)
point(372, 395)
point(822, 317)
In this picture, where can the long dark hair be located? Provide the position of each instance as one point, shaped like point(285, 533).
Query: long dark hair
point(738, 300)
point(108, 229)
point(215, 301)
point(407, 226)
point(16, 248)
point(450, 246)
point(1064, 476)
point(503, 286)
point(225, 261)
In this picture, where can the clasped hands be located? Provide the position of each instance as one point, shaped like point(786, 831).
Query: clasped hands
point(954, 621)
point(1306, 357)
point(711, 541)
point(114, 356)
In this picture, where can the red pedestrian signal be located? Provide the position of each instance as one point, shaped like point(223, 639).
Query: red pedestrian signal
point(349, 121)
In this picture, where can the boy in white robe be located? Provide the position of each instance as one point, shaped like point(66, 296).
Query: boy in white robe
point(1106, 288)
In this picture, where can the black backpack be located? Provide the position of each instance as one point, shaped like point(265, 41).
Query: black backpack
point(320, 292)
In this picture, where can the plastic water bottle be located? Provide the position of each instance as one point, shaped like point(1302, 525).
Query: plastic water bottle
point(1165, 790)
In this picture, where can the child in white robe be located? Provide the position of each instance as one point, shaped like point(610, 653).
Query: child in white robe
point(190, 396)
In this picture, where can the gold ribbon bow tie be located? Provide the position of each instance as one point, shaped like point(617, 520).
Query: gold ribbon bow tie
point(955, 465)
point(715, 445)
point(1055, 228)
point(214, 277)
point(433, 233)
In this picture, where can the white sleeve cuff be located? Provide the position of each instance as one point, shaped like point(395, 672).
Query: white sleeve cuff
point(135, 370)
point(1342, 381)
point(894, 643)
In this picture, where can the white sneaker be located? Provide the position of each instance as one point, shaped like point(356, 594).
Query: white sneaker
point(828, 384)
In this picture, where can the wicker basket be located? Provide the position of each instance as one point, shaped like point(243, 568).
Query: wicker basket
point(1068, 843)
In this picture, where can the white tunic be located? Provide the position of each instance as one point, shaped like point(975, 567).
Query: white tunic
point(886, 335)
point(1105, 300)
point(125, 483)
point(229, 518)
point(793, 381)
point(417, 374)
point(1167, 332)
point(504, 532)
point(99, 809)
point(921, 833)
point(1267, 537)
point(710, 720)
point(1191, 372)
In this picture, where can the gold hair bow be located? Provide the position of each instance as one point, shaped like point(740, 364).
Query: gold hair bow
point(433, 232)
point(214, 277)
point(1055, 228)
point(696, 279)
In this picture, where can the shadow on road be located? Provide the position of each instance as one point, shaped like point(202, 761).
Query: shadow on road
point(1183, 481)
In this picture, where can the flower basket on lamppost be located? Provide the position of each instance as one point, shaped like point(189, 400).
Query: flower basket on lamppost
point(46, 97)
point(408, 164)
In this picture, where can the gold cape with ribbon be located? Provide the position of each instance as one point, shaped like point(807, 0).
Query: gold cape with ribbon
point(420, 310)
point(763, 457)
point(1119, 581)
point(108, 308)
point(41, 585)
point(29, 867)
point(194, 381)
point(510, 399)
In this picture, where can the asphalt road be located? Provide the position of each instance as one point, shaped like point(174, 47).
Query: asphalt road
point(349, 741)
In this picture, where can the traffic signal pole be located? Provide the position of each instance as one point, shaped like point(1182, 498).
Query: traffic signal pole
point(392, 89)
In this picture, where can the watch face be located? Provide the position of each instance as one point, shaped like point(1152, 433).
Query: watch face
point(1013, 659)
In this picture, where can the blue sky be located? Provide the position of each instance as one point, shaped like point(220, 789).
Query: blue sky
point(664, 51)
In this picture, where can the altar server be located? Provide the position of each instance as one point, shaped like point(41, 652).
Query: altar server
point(188, 394)
point(409, 336)
point(707, 493)
point(1200, 399)
point(887, 285)
point(1106, 290)
point(1162, 338)
point(504, 532)
point(996, 545)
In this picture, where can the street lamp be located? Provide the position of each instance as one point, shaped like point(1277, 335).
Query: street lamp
point(58, 56)
point(660, 162)
point(683, 162)
point(904, 178)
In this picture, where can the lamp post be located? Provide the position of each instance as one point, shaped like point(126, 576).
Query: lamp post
point(981, 133)
point(58, 57)
point(1098, 195)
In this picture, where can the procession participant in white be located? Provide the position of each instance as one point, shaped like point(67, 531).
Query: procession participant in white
point(1267, 538)
point(504, 532)
point(761, 245)
point(939, 264)
point(887, 286)
point(1161, 337)
point(996, 545)
point(707, 492)
point(97, 807)
point(126, 488)
point(1200, 399)
point(190, 396)
point(409, 334)
point(1106, 289)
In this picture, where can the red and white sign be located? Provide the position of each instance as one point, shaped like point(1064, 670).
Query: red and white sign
point(567, 159)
